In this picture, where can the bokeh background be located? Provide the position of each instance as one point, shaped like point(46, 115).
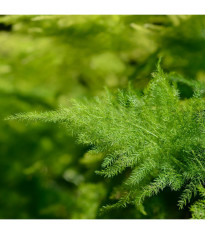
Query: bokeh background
point(47, 60)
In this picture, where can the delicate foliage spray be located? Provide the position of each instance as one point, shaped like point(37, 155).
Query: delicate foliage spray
point(154, 138)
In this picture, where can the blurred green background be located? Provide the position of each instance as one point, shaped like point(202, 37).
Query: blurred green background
point(47, 60)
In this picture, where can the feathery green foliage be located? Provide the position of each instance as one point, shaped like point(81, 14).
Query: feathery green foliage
point(198, 209)
point(47, 60)
point(154, 139)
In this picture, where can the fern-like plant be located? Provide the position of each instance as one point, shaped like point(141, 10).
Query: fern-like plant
point(198, 208)
point(154, 138)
